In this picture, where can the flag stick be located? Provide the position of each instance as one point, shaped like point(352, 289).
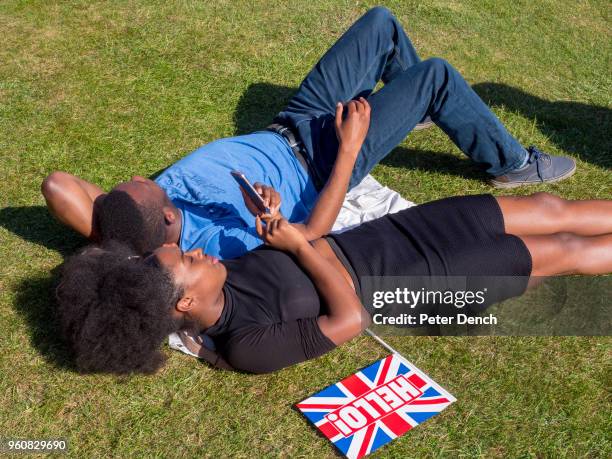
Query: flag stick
point(381, 341)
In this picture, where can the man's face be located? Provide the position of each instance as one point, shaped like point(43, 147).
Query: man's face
point(143, 190)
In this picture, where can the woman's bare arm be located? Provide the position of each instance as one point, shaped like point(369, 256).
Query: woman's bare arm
point(351, 133)
point(72, 201)
point(346, 316)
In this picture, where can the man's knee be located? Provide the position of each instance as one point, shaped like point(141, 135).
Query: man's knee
point(53, 184)
point(438, 65)
point(380, 20)
point(378, 14)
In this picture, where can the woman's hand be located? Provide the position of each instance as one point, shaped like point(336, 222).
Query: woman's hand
point(352, 130)
point(351, 133)
point(279, 233)
point(270, 196)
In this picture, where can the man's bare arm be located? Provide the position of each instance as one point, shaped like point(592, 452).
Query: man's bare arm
point(71, 200)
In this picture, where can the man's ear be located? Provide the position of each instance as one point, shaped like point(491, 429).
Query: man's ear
point(185, 304)
point(169, 216)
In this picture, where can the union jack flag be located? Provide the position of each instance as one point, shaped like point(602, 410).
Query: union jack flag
point(374, 406)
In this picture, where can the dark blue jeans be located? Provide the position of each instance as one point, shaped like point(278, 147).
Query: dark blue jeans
point(376, 48)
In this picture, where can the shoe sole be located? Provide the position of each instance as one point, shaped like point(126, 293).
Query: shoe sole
point(507, 185)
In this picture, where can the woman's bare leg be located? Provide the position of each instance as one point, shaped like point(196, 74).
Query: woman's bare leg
point(567, 253)
point(544, 213)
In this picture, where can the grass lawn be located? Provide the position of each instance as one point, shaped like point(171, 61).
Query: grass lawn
point(110, 89)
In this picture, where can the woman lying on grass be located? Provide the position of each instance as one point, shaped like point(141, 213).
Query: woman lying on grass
point(292, 299)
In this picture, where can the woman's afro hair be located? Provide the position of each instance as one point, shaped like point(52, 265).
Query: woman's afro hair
point(115, 309)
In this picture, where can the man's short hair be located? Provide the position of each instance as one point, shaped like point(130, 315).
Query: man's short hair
point(141, 226)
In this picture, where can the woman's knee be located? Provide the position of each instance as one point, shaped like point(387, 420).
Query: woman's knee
point(549, 205)
point(555, 254)
point(573, 248)
point(569, 243)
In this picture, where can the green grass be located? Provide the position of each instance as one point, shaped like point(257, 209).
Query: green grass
point(111, 89)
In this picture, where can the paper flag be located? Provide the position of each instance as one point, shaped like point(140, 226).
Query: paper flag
point(374, 406)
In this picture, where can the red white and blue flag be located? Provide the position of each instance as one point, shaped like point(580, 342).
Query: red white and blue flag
point(374, 406)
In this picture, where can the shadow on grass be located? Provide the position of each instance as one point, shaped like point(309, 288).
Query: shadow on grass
point(433, 161)
point(258, 106)
point(34, 300)
point(35, 224)
point(35, 303)
point(580, 129)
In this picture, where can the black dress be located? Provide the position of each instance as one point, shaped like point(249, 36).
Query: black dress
point(462, 236)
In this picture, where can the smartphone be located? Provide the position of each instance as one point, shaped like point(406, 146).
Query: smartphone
point(250, 191)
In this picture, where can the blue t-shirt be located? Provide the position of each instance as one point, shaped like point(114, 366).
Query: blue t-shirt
point(215, 216)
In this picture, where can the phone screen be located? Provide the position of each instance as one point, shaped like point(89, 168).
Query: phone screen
point(250, 191)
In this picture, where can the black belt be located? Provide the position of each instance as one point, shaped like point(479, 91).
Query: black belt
point(299, 151)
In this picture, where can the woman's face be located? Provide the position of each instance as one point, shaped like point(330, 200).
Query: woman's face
point(200, 276)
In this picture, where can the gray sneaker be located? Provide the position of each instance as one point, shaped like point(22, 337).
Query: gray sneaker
point(427, 123)
point(540, 168)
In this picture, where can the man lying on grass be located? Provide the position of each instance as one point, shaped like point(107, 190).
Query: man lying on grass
point(291, 300)
point(195, 203)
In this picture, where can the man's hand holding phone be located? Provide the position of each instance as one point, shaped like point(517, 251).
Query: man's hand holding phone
point(260, 199)
point(271, 199)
